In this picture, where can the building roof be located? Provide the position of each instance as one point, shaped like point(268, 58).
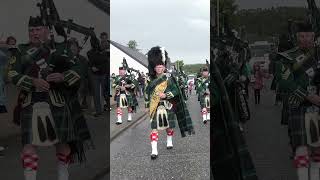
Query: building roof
point(136, 55)
point(103, 5)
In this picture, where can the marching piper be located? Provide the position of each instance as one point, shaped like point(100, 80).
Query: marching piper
point(124, 95)
point(299, 75)
point(164, 101)
point(204, 94)
point(45, 73)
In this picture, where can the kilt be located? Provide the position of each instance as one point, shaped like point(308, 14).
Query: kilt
point(59, 117)
point(171, 118)
point(69, 120)
point(296, 126)
point(202, 102)
point(130, 100)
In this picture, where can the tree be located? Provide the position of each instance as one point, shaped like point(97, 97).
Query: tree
point(227, 10)
point(132, 44)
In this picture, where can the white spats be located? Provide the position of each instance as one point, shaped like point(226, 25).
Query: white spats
point(208, 116)
point(30, 174)
point(301, 162)
point(62, 166)
point(129, 117)
point(119, 121)
point(169, 142)
point(314, 171)
point(63, 173)
point(204, 117)
point(170, 133)
point(303, 173)
point(154, 146)
point(154, 136)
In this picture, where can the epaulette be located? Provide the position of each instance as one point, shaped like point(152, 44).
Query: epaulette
point(286, 55)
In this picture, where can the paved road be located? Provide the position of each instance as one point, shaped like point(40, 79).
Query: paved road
point(268, 139)
point(189, 159)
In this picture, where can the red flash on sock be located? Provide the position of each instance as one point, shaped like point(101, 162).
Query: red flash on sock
point(66, 159)
point(301, 161)
point(119, 111)
point(154, 136)
point(170, 132)
point(30, 161)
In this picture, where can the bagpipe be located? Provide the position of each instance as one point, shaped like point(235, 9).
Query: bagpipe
point(50, 16)
point(228, 58)
point(124, 81)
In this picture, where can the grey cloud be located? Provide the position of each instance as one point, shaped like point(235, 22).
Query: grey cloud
point(167, 23)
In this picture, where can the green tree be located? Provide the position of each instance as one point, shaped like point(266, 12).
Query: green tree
point(179, 63)
point(132, 44)
point(227, 10)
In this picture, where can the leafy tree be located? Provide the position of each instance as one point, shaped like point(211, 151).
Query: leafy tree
point(132, 44)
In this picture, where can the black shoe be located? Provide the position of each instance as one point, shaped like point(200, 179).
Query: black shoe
point(118, 123)
point(205, 122)
point(153, 156)
point(169, 147)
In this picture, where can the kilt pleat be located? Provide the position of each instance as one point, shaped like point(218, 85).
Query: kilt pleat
point(296, 125)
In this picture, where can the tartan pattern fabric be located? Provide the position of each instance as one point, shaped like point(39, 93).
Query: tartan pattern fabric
point(296, 125)
point(179, 106)
point(229, 154)
point(130, 100)
point(70, 123)
point(171, 119)
point(26, 123)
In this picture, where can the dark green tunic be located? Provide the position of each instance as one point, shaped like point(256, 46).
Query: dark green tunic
point(70, 123)
point(174, 96)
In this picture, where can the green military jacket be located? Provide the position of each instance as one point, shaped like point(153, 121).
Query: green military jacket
point(25, 68)
point(290, 73)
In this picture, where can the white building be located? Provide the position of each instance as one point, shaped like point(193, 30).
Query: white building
point(135, 59)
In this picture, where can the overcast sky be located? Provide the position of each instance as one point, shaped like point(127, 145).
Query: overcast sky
point(181, 26)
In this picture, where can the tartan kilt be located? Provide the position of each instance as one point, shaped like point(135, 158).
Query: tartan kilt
point(202, 102)
point(296, 125)
point(59, 119)
point(171, 118)
point(130, 100)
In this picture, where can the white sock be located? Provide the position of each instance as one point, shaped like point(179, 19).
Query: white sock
point(314, 171)
point(204, 116)
point(154, 147)
point(129, 116)
point(208, 116)
point(30, 174)
point(63, 173)
point(169, 141)
point(119, 119)
point(303, 173)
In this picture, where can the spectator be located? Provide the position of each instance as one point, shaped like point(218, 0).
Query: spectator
point(98, 66)
point(3, 100)
point(84, 85)
point(258, 83)
point(141, 80)
point(11, 41)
